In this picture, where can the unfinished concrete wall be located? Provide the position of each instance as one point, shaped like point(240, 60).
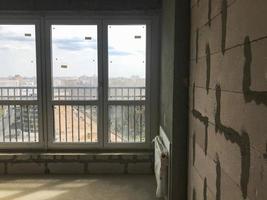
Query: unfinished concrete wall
point(75, 163)
point(167, 65)
point(228, 100)
point(174, 90)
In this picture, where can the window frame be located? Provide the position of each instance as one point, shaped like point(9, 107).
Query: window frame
point(43, 58)
point(50, 102)
point(146, 102)
point(39, 101)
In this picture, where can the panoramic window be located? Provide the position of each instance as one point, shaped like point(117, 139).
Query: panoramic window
point(126, 83)
point(75, 84)
point(18, 84)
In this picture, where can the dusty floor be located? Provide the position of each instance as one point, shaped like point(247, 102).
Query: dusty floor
point(108, 187)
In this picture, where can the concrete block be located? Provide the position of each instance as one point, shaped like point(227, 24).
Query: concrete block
point(25, 157)
point(105, 168)
point(200, 132)
point(197, 186)
point(229, 154)
point(86, 157)
point(2, 168)
point(240, 24)
point(140, 168)
point(206, 167)
point(7, 157)
point(25, 168)
point(66, 168)
point(229, 189)
point(258, 176)
point(247, 117)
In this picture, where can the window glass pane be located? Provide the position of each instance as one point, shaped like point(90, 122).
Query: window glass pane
point(127, 62)
point(18, 62)
point(19, 123)
point(74, 60)
point(126, 124)
point(75, 123)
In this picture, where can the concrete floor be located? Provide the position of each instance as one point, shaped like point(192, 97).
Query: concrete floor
point(108, 187)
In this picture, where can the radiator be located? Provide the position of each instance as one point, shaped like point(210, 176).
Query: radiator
point(161, 167)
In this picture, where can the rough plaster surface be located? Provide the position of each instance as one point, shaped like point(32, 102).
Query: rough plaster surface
point(228, 100)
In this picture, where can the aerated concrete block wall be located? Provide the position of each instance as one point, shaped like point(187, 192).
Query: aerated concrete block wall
point(228, 100)
point(86, 164)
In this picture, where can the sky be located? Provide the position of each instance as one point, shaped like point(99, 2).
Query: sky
point(17, 52)
point(74, 50)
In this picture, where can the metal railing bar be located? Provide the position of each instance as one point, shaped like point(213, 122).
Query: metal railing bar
point(27, 93)
point(66, 124)
point(84, 115)
point(91, 122)
point(18, 102)
point(15, 115)
point(28, 116)
point(72, 133)
point(34, 123)
point(65, 92)
point(20, 94)
point(141, 123)
point(128, 123)
point(79, 123)
point(59, 117)
point(130, 102)
point(63, 102)
point(116, 96)
point(3, 123)
point(134, 123)
point(116, 128)
point(9, 124)
point(71, 93)
point(21, 121)
point(122, 124)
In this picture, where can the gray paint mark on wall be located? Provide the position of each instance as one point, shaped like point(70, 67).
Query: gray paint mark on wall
point(194, 148)
point(209, 13)
point(197, 38)
point(250, 95)
point(224, 25)
point(233, 136)
point(205, 186)
point(201, 118)
point(265, 155)
point(218, 178)
point(194, 196)
point(208, 57)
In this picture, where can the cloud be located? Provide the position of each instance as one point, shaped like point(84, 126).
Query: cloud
point(8, 36)
point(114, 52)
point(75, 44)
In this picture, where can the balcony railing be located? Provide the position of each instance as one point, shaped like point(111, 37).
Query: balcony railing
point(73, 93)
point(73, 123)
point(18, 93)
